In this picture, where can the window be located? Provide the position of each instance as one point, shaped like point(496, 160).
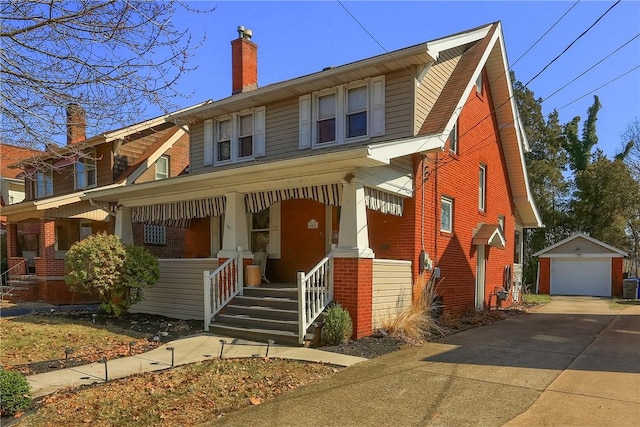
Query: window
point(245, 136)
point(479, 84)
point(326, 123)
point(357, 106)
point(343, 114)
point(162, 167)
point(85, 171)
point(446, 215)
point(482, 182)
point(155, 234)
point(453, 138)
point(517, 241)
point(44, 184)
point(260, 231)
point(223, 144)
point(236, 137)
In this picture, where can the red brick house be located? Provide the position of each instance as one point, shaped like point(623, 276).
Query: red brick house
point(58, 209)
point(357, 181)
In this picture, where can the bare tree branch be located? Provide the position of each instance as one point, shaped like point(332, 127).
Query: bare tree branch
point(115, 58)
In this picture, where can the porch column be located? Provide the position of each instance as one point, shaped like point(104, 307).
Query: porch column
point(12, 240)
point(353, 261)
point(124, 229)
point(353, 238)
point(235, 234)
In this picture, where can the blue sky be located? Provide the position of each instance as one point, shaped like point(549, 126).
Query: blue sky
point(298, 38)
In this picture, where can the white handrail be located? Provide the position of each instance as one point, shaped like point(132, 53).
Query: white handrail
point(6, 275)
point(315, 292)
point(221, 286)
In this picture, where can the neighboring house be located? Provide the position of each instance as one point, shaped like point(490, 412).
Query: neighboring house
point(11, 188)
point(580, 265)
point(394, 168)
point(58, 210)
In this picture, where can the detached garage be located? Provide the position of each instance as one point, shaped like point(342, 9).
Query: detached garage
point(580, 265)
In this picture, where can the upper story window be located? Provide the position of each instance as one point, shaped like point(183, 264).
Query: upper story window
point(43, 184)
point(343, 114)
point(85, 171)
point(482, 188)
point(162, 167)
point(479, 84)
point(236, 137)
point(446, 215)
point(453, 138)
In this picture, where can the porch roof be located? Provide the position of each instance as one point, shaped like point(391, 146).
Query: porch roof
point(489, 235)
point(310, 170)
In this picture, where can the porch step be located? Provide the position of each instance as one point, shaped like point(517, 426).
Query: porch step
point(255, 334)
point(268, 311)
point(246, 321)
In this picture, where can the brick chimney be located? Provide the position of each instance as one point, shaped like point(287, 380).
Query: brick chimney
point(244, 62)
point(76, 124)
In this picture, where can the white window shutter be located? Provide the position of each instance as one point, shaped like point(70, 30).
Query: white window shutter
point(274, 231)
point(259, 132)
point(377, 106)
point(304, 127)
point(208, 142)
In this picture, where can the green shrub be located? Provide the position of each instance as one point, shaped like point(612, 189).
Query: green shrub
point(337, 326)
point(102, 265)
point(15, 394)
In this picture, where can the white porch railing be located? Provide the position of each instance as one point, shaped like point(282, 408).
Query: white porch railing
point(315, 292)
point(4, 278)
point(221, 286)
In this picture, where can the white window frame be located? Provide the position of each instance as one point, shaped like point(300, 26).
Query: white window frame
point(479, 83)
point(446, 202)
point(159, 173)
point(46, 178)
point(84, 167)
point(155, 234)
point(375, 113)
point(453, 138)
point(212, 138)
point(482, 188)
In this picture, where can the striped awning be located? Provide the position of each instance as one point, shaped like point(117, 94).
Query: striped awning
point(330, 194)
point(178, 214)
point(382, 201)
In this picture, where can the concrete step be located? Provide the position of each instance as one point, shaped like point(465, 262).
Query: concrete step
point(290, 293)
point(253, 301)
point(261, 312)
point(246, 321)
point(254, 334)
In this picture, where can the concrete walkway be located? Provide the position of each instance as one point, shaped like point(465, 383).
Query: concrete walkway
point(573, 362)
point(186, 350)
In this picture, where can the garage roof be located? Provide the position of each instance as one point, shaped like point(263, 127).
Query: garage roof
point(580, 244)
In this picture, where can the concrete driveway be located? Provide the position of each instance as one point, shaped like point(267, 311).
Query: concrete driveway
point(572, 362)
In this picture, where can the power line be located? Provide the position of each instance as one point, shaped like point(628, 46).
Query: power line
point(592, 67)
point(572, 43)
point(545, 33)
point(600, 87)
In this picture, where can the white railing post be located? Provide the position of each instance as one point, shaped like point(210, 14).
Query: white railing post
point(207, 300)
point(302, 310)
point(240, 270)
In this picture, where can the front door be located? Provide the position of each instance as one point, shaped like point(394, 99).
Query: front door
point(480, 277)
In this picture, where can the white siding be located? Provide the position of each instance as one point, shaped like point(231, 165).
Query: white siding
point(179, 293)
point(391, 289)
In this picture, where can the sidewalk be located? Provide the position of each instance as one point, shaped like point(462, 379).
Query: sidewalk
point(185, 350)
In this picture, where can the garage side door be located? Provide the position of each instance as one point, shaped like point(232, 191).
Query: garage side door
point(580, 276)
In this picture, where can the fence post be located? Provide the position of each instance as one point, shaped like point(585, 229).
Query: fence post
point(302, 309)
point(207, 300)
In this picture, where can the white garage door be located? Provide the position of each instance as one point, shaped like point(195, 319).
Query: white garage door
point(580, 276)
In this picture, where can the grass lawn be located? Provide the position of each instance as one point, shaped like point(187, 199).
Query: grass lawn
point(536, 298)
point(187, 395)
point(621, 304)
point(36, 338)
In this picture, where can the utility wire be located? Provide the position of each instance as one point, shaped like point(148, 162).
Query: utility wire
point(572, 43)
point(592, 67)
